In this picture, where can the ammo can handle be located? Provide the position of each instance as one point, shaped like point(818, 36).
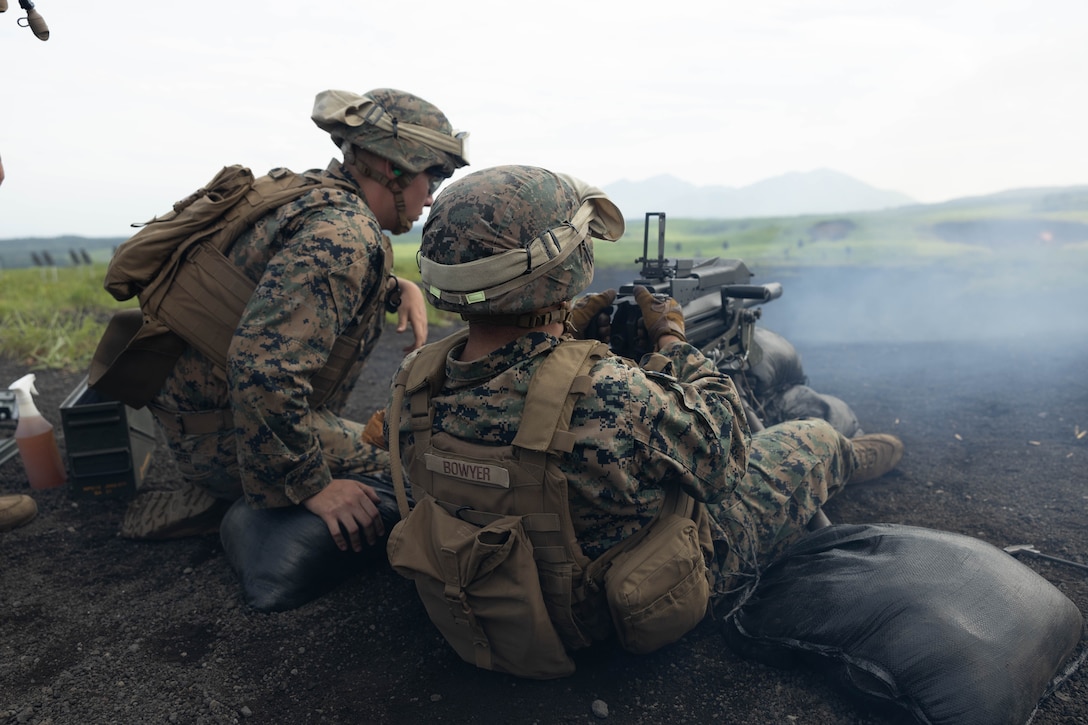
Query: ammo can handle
point(82, 421)
point(74, 458)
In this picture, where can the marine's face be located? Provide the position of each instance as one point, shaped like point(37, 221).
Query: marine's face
point(418, 195)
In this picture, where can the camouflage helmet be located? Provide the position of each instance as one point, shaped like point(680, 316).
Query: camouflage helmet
point(510, 240)
point(405, 129)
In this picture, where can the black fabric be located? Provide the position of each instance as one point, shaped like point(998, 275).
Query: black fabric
point(801, 401)
point(778, 366)
point(778, 382)
point(945, 626)
point(286, 557)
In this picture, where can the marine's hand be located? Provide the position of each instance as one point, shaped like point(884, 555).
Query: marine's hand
point(374, 432)
point(662, 315)
point(412, 311)
point(593, 308)
point(348, 507)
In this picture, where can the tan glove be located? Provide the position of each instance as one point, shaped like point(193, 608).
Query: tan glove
point(589, 308)
point(373, 433)
point(662, 315)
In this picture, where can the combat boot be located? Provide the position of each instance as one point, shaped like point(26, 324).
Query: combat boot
point(15, 510)
point(877, 453)
point(185, 511)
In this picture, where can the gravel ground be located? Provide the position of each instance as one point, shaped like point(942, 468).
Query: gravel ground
point(100, 629)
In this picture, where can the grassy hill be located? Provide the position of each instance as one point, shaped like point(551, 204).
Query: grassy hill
point(1051, 222)
point(1024, 222)
point(1015, 243)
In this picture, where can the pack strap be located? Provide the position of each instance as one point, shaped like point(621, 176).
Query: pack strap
point(427, 368)
point(549, 411)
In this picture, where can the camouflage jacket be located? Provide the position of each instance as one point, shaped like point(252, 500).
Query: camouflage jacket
point(636, 431)
point(315, 262)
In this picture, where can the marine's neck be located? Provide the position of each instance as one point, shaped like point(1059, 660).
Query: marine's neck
point(484, 338)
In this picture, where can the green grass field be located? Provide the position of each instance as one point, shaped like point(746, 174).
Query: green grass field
point(52, 317)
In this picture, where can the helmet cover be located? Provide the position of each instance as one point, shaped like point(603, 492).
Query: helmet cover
point(403, 128)
point(509, 240)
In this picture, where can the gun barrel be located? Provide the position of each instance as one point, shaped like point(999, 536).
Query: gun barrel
point(761, 292)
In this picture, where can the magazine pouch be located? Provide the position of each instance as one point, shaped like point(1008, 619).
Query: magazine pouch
point(481, 588)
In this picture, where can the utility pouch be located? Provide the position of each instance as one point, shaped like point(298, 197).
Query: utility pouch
point(203, 304)
point(481, 588)
point(658, 589)
point(133, 359)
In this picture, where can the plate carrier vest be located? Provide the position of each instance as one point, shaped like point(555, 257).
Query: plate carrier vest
point(485, 484)
point(191, 294)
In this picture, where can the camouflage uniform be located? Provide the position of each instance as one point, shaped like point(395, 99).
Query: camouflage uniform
point(638, 431)
point(511, 246)
point(315, 261)
point(320, 266)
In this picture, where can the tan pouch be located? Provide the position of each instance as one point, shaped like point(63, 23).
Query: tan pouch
point(658, 589)
point(133, 359)
point(481, 588)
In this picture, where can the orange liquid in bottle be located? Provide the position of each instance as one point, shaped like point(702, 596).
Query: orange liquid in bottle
point(41, 458)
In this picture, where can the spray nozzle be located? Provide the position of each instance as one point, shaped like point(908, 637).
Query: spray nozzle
point(24, 391)
point(25, 383)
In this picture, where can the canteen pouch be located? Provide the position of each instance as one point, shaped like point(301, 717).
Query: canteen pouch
point(658, 589)
point(481, 588)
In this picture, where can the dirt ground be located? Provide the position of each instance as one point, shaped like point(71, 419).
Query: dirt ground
point(99, 629)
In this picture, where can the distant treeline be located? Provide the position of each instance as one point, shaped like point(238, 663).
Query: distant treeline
point(1025, 222)
point(66, 251)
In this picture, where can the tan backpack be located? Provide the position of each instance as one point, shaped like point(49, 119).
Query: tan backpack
point(491, 546)
point(190, 293)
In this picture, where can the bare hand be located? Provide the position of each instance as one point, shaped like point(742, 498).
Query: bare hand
point(348, 507)
point(412, 311)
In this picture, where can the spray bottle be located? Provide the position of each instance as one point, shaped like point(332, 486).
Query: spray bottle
point(35, 438)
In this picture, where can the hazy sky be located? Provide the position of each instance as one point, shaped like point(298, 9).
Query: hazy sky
point(131, 104)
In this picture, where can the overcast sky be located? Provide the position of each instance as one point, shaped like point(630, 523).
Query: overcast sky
point(131, 104)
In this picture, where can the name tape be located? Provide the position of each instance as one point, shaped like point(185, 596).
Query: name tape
point(481, 473)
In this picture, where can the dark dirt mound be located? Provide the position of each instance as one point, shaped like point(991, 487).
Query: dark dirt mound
point(102, 629)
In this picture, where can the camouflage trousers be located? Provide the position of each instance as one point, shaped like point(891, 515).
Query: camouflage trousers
point(793, 469)
point(210, 460)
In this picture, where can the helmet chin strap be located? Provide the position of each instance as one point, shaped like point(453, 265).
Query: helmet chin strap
point(403, 222)
point(396, 185)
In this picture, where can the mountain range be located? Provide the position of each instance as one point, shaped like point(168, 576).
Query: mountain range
point(822, 191)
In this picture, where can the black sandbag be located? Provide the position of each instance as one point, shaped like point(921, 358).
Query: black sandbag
point(945, 626)
point(778, 365)
point(286, 557)
point(779, 384)
point(801, 401)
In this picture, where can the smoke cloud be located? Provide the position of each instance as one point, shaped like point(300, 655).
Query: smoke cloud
point(923, 305)
point(1044, 303)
